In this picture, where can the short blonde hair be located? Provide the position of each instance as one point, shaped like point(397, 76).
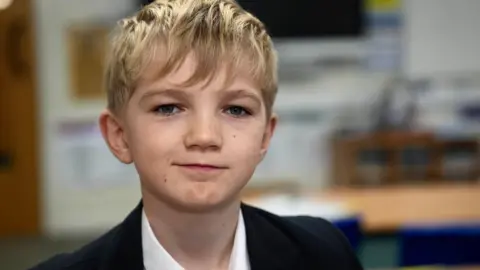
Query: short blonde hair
point(218, 32)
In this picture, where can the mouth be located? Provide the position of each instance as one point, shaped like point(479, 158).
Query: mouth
point(201, 167)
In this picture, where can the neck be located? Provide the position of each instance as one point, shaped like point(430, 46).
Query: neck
point(184, 235)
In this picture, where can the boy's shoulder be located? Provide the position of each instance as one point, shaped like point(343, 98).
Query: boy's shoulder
point(89, 256)
point(123, 241)
point(307, 231)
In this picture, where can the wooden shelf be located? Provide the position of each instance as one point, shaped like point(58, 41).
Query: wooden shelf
point(393, 144)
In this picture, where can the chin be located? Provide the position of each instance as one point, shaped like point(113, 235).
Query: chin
point(199, 198)
point(199, 205)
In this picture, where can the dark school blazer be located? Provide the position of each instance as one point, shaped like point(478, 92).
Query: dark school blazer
point(273, 243)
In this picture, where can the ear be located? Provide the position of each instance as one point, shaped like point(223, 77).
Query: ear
point(267, 136)
point(113, 134)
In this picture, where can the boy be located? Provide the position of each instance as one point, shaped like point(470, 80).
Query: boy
point(191, 85)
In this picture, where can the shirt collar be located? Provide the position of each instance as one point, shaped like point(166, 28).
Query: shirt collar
point(155, 257)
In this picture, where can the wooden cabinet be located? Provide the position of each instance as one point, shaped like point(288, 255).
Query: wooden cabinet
point(390, 166)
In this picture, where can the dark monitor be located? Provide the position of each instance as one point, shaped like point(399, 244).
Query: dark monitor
point(309, 18)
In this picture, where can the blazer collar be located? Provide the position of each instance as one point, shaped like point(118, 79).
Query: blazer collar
point(124, 250)
point(268, 247)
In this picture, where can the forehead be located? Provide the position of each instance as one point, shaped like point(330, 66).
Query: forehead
point(182, 76)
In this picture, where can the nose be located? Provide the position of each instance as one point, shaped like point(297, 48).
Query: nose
point(204, 134)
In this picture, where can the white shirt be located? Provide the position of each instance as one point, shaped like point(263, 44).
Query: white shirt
point(155, 257)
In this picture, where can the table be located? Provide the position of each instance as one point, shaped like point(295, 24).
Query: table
point(385, 209)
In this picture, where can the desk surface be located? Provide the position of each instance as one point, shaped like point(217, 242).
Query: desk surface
point(388, 208)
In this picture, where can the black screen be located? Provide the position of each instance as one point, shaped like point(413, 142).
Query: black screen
point(309, 18)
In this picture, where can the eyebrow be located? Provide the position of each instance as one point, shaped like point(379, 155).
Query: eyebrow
point(242, 93)
point(177, 93)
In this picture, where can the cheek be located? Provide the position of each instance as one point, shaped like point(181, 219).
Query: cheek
point(246, 145)
point(153, 143)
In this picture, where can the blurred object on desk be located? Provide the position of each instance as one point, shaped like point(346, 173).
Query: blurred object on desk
point(396, 109)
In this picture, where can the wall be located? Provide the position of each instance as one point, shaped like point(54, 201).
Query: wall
point(441, 36)
point(67, 209)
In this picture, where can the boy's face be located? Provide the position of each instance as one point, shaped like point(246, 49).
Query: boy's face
point(194, 147)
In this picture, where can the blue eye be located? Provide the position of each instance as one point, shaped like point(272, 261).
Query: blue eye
point(237, 111)
point(168, 109)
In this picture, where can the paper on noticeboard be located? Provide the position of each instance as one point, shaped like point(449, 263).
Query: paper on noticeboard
point(87, 161)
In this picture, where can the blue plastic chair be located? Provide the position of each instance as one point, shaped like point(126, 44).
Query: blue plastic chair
point(447, 245)
point(351, 228)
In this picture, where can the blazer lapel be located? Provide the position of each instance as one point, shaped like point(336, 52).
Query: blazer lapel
point(124, 250)
point(268, 247)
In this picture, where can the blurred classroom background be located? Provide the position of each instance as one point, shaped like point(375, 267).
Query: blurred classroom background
point(379, 106)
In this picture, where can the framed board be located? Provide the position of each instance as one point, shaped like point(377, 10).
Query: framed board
point(87, 48)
